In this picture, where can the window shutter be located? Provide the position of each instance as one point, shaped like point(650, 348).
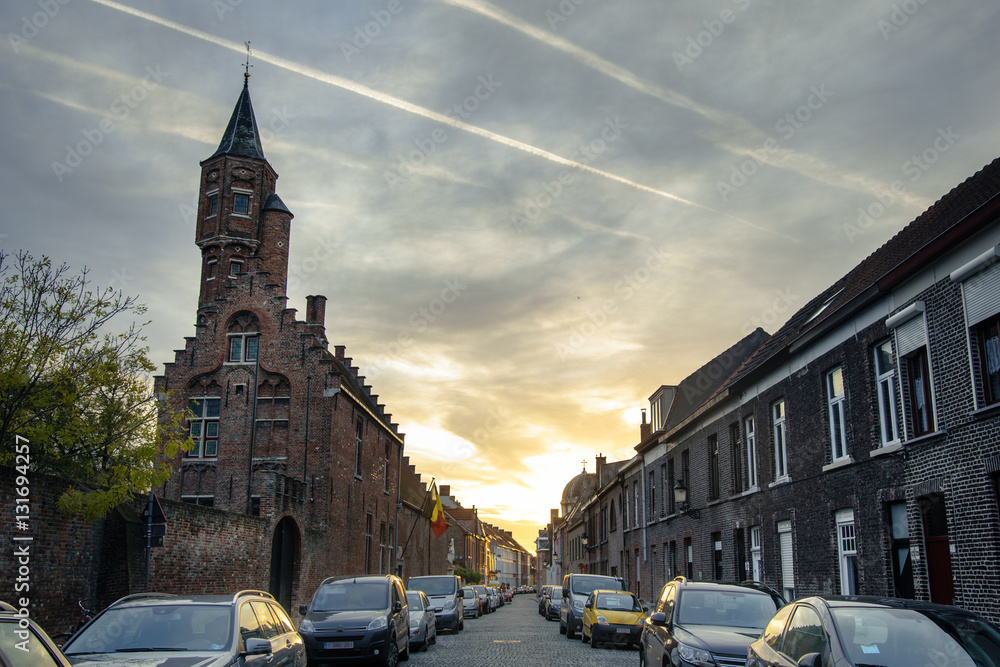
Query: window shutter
point(911, 336)
point(981, 294)
point(787, 565)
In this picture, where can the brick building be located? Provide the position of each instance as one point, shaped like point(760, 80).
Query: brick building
point(283, 428)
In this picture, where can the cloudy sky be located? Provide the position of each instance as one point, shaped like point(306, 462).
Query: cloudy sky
point(526, 215)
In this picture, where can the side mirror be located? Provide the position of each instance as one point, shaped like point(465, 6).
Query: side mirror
point(397, 607)
point(303, 609)
point(257, 646)
point(810, 660)
point(565, 593)
point(461, 593)
point(658, 618)
point(645, 610)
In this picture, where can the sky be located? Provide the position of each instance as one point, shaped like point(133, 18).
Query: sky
point(526, 215)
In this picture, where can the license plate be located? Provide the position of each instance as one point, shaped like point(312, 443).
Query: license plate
point(338, 645)
point(623, 631)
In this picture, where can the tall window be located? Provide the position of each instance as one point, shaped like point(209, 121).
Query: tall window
point(717, 555)
point(210, 267)
point(381, 548)
point(666, 489)
point(847, 548)
point(635, 494)
point(713, 467)
point(385, 469)
point(988, 338)
point(902, 566)
point(359, 432)
point(787, 559)
point(612, 521)
point(736, 457)
point(835, 398)
point(213, 204)
point(625, 510)
point(651, 500)
point(756, 554)
point(369, 519)
point(919, 385)
point(751, 453)
point(686, 470)
point(780, 446)
point(885, 370)
point(672, 570)
point(689, 557)
point(670, 486)
point(204, 427)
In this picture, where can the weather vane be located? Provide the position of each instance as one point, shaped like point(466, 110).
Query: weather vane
point(248, 65)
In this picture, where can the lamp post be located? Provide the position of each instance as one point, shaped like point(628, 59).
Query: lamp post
point(681, 499)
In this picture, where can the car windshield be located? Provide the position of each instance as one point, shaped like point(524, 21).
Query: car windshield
point(732, 609)
point(352, 596)
point(414, 601)
point(480, 590)
point(911, 637)
point(468, 593)
point(162, 627)
point(618, 602)
point(433, 585)
point(584, 585)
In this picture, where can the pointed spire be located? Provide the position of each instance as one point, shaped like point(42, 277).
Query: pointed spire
point(242, 137)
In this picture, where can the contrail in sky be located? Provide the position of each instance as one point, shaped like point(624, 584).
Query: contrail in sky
point(409, 107)
point(742, 137)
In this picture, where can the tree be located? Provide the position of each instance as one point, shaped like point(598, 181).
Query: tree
point(81, 396)
point(469, 576)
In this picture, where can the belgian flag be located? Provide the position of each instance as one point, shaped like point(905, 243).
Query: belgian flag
point(438, 524)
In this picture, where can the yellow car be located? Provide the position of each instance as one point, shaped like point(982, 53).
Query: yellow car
point(614, 617)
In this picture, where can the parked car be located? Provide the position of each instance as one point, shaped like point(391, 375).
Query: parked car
point(703, 622)
point(247, 628)
point(484, 598)
point(854, 630)
point(495, 600)
point(357, 617)
point(542, 598)
point(21, 636)
point(508, 594)
point(576, 588)
point(612, 617)
point(471, 605)
point(445, 595)
point(423, 626)
point(553, 602)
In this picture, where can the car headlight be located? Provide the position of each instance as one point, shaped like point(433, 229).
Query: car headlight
point(377, 623)
point(578, 605)
point(306, 627)
point(692, 654)
point(602, 621)
point(450, 604)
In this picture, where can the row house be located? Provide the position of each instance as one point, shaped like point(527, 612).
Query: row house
point(853, 451)
point(510, 558)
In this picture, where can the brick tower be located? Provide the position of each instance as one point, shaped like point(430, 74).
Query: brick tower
point(283, 428)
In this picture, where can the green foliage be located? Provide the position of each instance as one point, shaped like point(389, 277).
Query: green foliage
point(81, 397)
point(469, 576)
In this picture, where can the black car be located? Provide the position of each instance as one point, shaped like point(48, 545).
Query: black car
point(697, 623)
point(853, 630)
point(352, 618)
point(247, 628)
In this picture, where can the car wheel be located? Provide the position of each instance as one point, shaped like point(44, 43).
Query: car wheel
point(562, 629)
point(391, 653)
point(583, 634)
point(570, 632)
point(404, 655)
point(593, 644)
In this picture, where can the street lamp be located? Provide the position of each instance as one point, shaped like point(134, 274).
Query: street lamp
point(584, 540)
point(681, 499)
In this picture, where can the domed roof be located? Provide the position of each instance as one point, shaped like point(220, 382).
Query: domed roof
point(576, 487)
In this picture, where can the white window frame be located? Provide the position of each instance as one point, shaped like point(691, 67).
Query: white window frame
point(244, 339)
point(786, 549)
point(756, 554)
point(635, 491)
point(199, 426)
point(748, 424)
point(847, 551)
point(235, 267)
point(212, 268)
point(780, 440)
point(888, 396)
point(836, 404)
point(209, 195)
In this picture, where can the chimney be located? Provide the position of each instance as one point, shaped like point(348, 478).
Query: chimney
point(645, 428)
point(444, 490)
point(601, 461)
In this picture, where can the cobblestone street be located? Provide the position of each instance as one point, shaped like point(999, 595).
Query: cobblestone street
point(516, 635)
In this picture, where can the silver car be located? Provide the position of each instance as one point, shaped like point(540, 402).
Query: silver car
point(472, 608)
point(423, 627)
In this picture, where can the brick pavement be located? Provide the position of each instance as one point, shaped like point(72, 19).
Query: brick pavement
point(517, 636)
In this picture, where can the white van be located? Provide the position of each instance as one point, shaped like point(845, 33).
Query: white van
point(445, 594)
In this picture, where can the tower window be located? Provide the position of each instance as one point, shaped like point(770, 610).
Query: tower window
point(235, 268)
point(241, 203)
point(210, 269)
point(213, 205)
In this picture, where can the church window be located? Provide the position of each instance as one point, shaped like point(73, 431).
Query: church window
point(204, 427)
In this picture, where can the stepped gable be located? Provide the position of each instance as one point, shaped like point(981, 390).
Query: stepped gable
point(931, 232)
